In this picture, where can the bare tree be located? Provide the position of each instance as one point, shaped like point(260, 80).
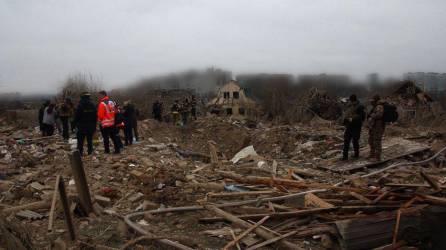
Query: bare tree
point(78, 83)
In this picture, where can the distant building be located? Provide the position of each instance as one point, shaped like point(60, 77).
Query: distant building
point(231, 100)
point(428, 81)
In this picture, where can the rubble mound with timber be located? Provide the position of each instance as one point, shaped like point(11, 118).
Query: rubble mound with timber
point(221, 183)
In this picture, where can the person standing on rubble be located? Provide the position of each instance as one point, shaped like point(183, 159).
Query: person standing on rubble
point(85, 119)
point(119, 124)
point(65, 112)
point(193, 107)
point(106, 117)
point(175, 109)
point(157, 110)
point(129, 120)
point(353, 119)
point(41, 113)
point(376, 125)
point(49, 119)
point(135, 123)
point(185, 110)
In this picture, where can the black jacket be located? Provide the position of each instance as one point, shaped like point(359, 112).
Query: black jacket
point(86, 116)
point(129, 114)
point(41, 111)
point(354, 116)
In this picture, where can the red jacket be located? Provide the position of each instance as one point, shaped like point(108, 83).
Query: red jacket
point(106, 112)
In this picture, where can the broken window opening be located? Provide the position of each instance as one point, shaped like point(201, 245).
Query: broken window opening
point(241, 111)
point(226, 95)
point(235, 95)
point(229, 111)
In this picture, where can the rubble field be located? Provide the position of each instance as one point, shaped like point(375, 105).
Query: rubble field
point(219, 183)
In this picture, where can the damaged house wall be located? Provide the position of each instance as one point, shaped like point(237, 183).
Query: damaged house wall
point(231, 100)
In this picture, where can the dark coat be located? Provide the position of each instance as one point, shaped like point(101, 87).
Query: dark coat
point(354, 116)
point(130, 115)
point(86, 116)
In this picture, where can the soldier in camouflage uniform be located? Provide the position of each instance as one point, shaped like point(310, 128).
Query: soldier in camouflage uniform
point(376, 126)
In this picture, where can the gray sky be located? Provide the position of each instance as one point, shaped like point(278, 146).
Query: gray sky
point(42, 41)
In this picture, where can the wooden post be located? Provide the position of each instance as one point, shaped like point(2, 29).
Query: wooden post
point(81, 182)
point(66, 209)
point(53, 205)
point(213, 154)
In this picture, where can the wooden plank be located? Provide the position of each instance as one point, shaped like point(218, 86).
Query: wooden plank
point(53, 204)
point(237, 194)
point(314, 200)
point(380, 197)
point(410, 185)
point(213, 154)
point(361, 198)
point(434, 200)
point(66, 209)
point(284, 244)
point(283, 182)
point(81, 182)
point(374, 231)
point(430, 181)
point(273, 215)
point(233, 237)
point(246, 232)
point(30, 206)
point(270, 241)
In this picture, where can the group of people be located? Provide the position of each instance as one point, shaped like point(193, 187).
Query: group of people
point(179, 111)
point(182, 111)
point(112, 119)
point(52, 116)
point(354, 117)
point(84, 118)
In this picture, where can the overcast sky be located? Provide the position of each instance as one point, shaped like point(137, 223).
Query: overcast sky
point(43, 41)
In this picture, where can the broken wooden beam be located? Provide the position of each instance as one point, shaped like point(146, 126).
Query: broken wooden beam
point(380, 197)
point(238, 194)
point(314, 200)
point(434, 200)
point(213, 154)
point(233, 237)
point(53, 204)
point(246, 232)
point(30, 206)
point(410, 185)
point(270, 241)
point(66, 209)
point(301, 172)
point(272, 215)
point(432, 183)
point(284, 244)
point(81, 182)
point(282, 182)
point(361, 198)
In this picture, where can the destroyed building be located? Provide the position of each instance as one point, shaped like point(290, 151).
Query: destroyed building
point(413, 103)
point(231, 100)
point(318, 104)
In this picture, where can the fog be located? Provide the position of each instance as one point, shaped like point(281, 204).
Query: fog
point(120, 42)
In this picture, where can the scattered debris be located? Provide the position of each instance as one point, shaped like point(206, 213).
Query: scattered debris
point(223, 184)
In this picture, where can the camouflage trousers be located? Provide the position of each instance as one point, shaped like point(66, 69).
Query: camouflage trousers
point(375, 141)
point(176, 118)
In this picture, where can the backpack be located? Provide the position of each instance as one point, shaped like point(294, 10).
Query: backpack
point(390, 113)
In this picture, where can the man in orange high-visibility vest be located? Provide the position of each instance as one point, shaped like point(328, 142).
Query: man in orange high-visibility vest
point(106, 117)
